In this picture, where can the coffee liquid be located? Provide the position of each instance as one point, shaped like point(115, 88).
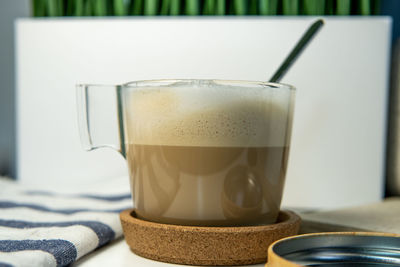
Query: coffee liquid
point(211, 186)
point(208, 161)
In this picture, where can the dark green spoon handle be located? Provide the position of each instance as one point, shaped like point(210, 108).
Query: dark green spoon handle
point(294, 54)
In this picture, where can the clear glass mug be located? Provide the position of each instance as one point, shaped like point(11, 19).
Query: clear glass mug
point(199, 152)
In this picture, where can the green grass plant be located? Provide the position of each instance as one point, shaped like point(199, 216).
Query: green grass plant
point(78, 8)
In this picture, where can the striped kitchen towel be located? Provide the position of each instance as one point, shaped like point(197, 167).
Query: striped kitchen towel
point(48, 228)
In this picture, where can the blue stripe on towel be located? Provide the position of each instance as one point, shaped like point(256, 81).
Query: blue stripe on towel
point(111, 198)
point(9, 204)
point(103, 231)
point(3, 264)
point(63, 251)
point(107, 198)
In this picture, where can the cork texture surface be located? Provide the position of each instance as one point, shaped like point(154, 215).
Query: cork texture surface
point(205, 245)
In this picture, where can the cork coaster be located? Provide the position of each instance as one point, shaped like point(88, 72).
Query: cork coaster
point(198, 245)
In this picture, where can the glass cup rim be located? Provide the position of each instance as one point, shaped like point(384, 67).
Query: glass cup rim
point(243, 83)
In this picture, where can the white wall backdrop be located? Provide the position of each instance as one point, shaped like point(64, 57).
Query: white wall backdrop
point(337, 156)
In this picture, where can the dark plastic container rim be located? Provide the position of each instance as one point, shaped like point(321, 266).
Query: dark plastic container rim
point(336, 249)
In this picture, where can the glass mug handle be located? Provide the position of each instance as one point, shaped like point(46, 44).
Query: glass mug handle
point(99, 107)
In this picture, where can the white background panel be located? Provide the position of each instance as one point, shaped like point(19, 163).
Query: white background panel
point(337, 155)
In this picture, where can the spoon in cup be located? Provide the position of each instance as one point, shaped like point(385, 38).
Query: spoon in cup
point(297, 50)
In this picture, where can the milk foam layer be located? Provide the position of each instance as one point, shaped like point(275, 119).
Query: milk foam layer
point(204, 115)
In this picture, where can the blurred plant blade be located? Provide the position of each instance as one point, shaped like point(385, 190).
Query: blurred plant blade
point(165, 7)
point(253, 7)
point(290, 7)
point(137, 7)
point(175, 7)
point(70, 8)
point(239, 7)
point(52, 8)
point(376, 7)
point(365, 8)
point(61, 9)
point(192, 7)
point(99, 7)
point(78, 8)
point(343, 7)
point(329, 7)
point(38, 7)
point(119, 8)
point(314, 7)
point(87, 8)
point(220, 7)
point(209, 8)
point(150, 7)
point(268, 7)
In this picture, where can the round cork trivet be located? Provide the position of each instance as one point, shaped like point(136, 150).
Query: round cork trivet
point(198, 245)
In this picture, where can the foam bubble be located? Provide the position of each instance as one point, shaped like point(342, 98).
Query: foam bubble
point(207, 116)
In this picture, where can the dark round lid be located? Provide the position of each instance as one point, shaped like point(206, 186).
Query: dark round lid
point(336, 249)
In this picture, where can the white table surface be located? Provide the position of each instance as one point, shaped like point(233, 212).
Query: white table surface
point(118, 254)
